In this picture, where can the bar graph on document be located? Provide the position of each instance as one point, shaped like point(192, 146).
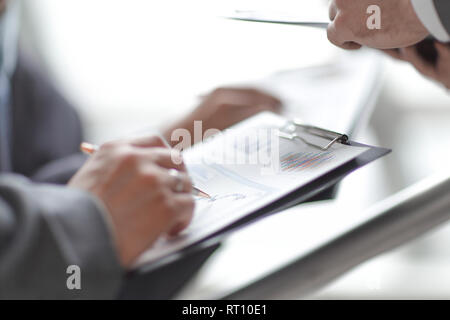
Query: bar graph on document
point(294, 162)
point(229, 193)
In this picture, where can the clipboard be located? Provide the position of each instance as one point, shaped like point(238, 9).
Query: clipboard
point(296, 197)
point(163, 278)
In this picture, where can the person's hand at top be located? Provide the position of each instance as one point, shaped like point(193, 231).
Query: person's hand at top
point(144, 200)
point(439, 72)
point(225, 107)
point(2, 6)
point(399, 25)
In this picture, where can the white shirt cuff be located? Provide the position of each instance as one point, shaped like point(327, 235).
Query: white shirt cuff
point(427, 13)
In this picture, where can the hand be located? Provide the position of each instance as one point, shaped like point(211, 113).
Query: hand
point(439, 72)
point(400, 26)
point(225, 107)
point(132, 180)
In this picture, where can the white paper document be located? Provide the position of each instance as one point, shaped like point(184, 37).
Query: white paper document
point(245, 169)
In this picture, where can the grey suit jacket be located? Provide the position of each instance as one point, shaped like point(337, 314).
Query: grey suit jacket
point(46, 129)
point(443, 8)
point(45, 229)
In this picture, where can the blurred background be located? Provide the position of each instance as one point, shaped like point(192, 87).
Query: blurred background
point(129, 65)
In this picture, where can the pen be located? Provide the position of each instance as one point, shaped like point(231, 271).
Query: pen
point(90, 149)
point(268, 17)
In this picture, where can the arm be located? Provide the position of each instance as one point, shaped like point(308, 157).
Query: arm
point(132, 200)
point(435, 16)
point(221, 109)
point(45, 229)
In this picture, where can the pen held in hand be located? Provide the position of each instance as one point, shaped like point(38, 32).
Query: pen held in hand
point(90, 149)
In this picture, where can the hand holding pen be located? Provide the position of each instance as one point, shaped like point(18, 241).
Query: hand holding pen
point(90, 149)
point(138, 198)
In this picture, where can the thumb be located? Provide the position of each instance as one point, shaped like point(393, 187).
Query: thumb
point(350, 45)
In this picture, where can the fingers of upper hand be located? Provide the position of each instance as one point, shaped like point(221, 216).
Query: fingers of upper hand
point(443, 65)
point(341, 31)
point(443, 51)
point(332, 12)
point(394, 53)
point(340, 35)
point(410, 55)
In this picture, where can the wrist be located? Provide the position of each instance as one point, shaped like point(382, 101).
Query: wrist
point(105, 213)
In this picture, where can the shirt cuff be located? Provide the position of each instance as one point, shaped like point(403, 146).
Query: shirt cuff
point(427, 13)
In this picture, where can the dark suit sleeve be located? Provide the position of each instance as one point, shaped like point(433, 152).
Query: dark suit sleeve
point(443, 9)
point(46, 128)
point(43, 230)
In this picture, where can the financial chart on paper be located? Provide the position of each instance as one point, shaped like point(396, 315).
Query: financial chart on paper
point(240, 183)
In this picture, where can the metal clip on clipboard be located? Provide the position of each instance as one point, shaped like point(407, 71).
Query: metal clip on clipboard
point(290, 132)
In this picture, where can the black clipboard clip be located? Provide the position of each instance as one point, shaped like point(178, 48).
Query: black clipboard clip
point(293, 130)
